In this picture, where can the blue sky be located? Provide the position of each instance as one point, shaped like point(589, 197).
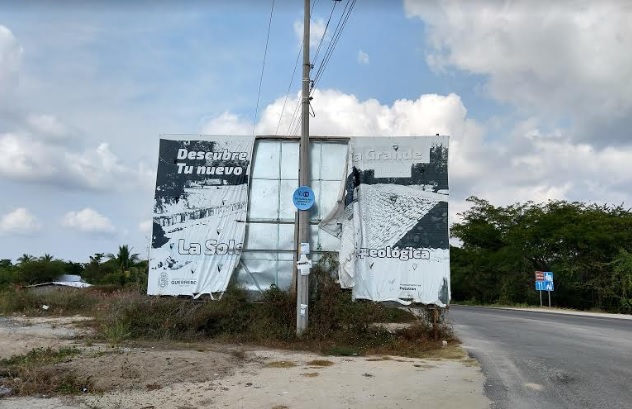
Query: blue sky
point(537, 99)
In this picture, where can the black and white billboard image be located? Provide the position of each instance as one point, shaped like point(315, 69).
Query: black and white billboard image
point(392, 220)
point(200, 207)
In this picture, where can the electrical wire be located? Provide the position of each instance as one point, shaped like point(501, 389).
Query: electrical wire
point(325, 31)
point(295, 115)
point(344, 18)
point(263, 66)
point(287, 93)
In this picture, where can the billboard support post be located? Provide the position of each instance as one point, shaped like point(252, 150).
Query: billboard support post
point(302, 281)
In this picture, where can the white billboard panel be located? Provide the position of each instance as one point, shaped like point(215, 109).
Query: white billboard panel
point(392, 220)
point(200, 208)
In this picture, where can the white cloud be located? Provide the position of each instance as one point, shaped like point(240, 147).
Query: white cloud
point(47, 126)
point(526, 164)
point(341, 114)
point(363, 58)
point(227, 124)
point(20, 221)
point(26, 159)
point(97, 169)
point(338, 113)
point(145, 226)
point(23, 159)
point(88, 221)
point(316, 32)
point(41, 148)
point(570, 57)
point(10, 59)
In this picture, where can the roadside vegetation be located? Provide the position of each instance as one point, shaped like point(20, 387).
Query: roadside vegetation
point(123, 315)
point(587, 247)
point(337, 324)
point(35, 372)
point(124, 268)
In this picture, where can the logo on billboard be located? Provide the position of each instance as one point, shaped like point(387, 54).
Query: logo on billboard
point(163, 279)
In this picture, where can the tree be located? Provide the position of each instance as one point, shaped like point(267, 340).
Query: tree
point(25, 258)
point(622, 281)
point(503, 246)
point(97, 258)
point(8, 272)
point(39, 271)
point(47, 257)
point(96, 270)
point(124, 259)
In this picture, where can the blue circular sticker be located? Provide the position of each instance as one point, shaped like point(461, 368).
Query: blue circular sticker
point(303, 198)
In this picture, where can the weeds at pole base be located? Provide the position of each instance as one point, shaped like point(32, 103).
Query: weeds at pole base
point(338, 325)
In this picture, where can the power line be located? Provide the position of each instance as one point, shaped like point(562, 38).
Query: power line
point(295, 123)
point(332, 45)
point(287, 94)
point(263, 66)
point(295, 116)
point(325, 32)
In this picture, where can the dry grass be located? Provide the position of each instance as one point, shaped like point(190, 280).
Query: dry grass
point(34, 372)
point(320, 362)
point(381, 358)
point(449, 352)
point(338, 326)
point(239, 354)
point(469, 362)
point(280, 364)
point(424, 366)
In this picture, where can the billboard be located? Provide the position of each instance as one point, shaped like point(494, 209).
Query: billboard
point(392, 220)
point(199, 218)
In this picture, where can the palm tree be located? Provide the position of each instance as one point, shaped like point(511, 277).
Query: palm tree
point(124, 258)
point(25, 258)
point(47, 258)
point(96, 259)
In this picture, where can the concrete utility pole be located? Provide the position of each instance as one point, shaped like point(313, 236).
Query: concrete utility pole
point(302, 281)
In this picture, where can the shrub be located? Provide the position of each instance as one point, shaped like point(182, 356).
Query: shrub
point(60, 300)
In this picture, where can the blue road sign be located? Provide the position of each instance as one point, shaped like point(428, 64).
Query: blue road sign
point(303, 198)
point(548, 276)
point(544, 286)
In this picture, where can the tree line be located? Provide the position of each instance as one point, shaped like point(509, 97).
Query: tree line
point(122, 268)
point(588, 247)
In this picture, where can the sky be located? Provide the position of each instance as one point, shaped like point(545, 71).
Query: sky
point(535, 96)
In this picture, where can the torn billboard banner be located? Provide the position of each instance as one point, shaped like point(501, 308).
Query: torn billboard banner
point(392, 220)
point(200, 207)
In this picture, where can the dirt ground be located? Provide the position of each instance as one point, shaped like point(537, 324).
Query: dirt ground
point(169, 376)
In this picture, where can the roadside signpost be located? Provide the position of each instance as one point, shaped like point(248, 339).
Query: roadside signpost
point(544, 282)
point(303, 199)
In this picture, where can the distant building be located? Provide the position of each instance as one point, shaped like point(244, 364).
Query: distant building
point(66, 281)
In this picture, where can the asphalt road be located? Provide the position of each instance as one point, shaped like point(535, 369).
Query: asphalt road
point(547, 360)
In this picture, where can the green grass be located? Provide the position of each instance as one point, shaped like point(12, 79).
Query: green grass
point(34, 372)
point(280, 364)
point(40, 356)
point(337, 325)
point(60, 301)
